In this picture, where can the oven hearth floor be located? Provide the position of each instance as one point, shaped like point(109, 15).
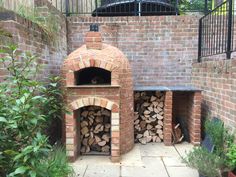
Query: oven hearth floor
point(151, 160)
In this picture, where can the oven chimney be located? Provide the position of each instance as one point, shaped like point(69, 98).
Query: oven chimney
point(93, 38)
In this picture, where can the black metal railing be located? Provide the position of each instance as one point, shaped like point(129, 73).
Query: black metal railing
point(216, 31)
point(130, 7)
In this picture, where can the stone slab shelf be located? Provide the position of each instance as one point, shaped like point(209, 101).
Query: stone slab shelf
point(93, 86)
point(166, 88)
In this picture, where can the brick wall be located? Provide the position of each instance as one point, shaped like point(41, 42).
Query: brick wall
point(30, 37)
point(217, 79)
point(160, 49)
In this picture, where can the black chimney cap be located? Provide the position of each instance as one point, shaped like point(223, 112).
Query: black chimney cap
point(94, 27)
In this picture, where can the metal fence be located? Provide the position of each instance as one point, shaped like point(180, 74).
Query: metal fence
point(216, 31)
point(131, 7)
point(16, 4)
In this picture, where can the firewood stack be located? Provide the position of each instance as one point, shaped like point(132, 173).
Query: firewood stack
point(148, 118)
point(95, 126)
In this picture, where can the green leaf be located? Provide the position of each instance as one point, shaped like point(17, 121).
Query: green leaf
point(37, 97)
point(32, 174)
point(20, 170)
point(2, 119)
point(9, 152)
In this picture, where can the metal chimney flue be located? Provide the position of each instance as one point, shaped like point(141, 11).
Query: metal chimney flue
point(94, 27)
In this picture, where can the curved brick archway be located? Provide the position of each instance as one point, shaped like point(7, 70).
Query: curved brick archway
point(72, 125)
point(94, 101)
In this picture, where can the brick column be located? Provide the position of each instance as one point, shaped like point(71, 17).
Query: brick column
point(168, 118)
point(71, 136)
point(93, 40)
point(115, 135)
point(195, 119)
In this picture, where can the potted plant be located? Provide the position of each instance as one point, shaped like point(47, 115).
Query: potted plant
point(208, 164)
point(231, 160)
point(210, 158)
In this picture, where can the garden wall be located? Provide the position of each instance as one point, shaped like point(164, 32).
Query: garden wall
point(160, 49)
point(217, 79)
point(30, 37)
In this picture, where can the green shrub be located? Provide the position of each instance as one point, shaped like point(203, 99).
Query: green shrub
point(53, 108)
point(208, 164)
point(55, 165)
point(220, 136)
point(211, 164)
point(23, 120)
point(231, 157)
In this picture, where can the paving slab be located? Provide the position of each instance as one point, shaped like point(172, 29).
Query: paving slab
point(158, 150)
point(95, 170)
point(132, 158)
point(153, 167)
point(182, 172)
point(79, 169)
point(173, 162)
point(151, 160)
point(183, 148)
point(94, 159)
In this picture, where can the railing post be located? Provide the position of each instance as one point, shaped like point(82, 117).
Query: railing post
point(135, 8)
point(229, 37)
point(206, 7)
point(200, 41)
point(96, 5)
point(176, 7)
point(67, 8)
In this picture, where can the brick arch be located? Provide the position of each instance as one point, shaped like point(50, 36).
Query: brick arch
point(94, 101)
point(81, 63)
point(78, 64)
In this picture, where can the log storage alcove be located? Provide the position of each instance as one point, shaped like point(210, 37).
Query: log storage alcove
point(98, 87)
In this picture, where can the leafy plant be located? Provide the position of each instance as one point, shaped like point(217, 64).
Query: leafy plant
point(53, 108)
point(220, 136)
point(212, 164)
point(55, 165)
point(23, 119)
point(231, 157)
point(208, 164)
point(192, 5)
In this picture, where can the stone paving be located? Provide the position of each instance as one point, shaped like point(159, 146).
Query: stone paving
point(151, 160)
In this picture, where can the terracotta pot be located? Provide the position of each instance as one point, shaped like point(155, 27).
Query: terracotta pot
point(231, 174)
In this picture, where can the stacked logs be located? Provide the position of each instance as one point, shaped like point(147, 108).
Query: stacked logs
point(95, 125)
point(148, 118)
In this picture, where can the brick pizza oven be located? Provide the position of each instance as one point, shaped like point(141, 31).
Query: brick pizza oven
point(98, 88)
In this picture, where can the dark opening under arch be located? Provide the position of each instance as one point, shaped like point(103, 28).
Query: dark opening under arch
point(93, 76)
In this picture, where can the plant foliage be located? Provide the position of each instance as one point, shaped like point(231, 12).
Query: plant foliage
point(205, 162)
point(24, 148)
point(192, 5)
point(211, 164)
point(220, 136)
point(53, 108)
point(231, 157)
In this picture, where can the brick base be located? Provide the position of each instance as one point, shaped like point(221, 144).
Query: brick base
point(186, 105)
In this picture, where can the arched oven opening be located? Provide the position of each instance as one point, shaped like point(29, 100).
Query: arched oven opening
point(93, 76)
